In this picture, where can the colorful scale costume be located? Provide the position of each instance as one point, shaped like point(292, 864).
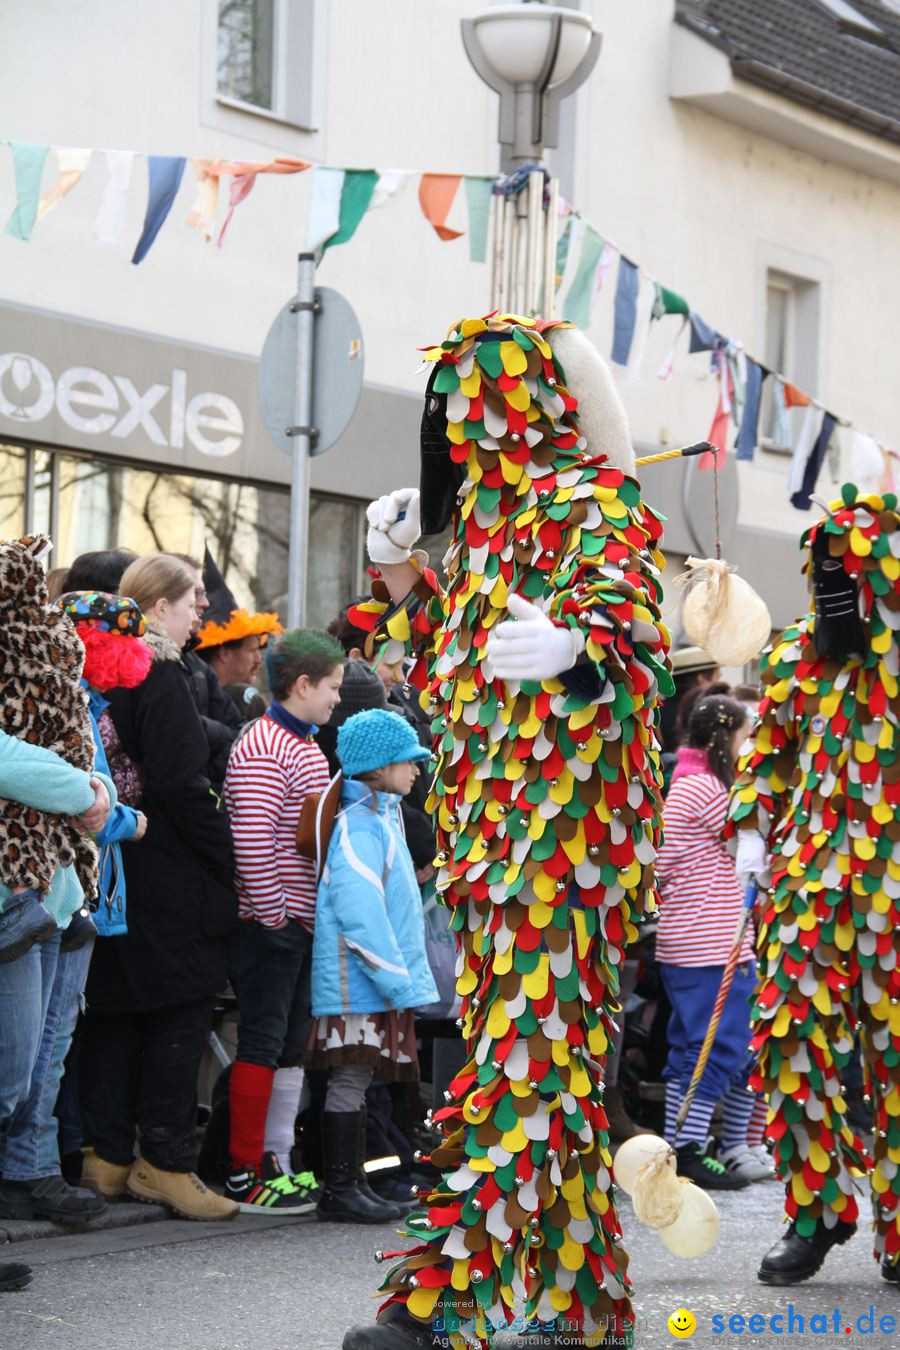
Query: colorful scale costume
point(822, 785)
point(547, 806)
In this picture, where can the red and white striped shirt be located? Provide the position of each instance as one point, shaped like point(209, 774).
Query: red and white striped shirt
point(271, 772)
point(700, 895)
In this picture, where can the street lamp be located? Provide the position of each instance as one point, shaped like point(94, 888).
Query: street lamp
point(533, 55)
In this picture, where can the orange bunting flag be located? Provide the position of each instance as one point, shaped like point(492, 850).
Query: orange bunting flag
point(202, 215)
point(794, 397)
point(437, 192)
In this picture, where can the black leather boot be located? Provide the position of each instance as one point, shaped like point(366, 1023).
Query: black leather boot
point(342, 1199)
point(795, 1258)
point(402, 1205)
point(396, 1330)
point(890, 1272)
point(13, 1275)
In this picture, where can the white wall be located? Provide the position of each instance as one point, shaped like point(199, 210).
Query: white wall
point(690, 197)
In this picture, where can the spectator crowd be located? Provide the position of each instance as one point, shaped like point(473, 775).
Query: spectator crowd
point(205, 817)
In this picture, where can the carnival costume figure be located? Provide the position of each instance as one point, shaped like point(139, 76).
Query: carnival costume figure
point(819, 794)
point(546, 800)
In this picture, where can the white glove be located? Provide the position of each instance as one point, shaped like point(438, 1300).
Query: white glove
point(393, 526)
point(752, 858)
point(532, 647)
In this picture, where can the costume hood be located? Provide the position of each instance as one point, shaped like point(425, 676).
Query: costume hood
point(521, 389)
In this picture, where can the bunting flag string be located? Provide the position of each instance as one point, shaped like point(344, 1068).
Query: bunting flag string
point(585, 258)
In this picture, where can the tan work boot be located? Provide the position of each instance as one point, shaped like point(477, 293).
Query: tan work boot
point(182, 1191)
point(106, 1178)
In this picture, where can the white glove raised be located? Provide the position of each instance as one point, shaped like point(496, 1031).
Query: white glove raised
point(752, 858)
point(393, 526)
point(532, 647)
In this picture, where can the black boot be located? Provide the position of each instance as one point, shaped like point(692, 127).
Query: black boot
point(386, 1190)
point(396, 1330)
point(342, 1199)
point(795, 1258)
point(890, 1272)
point(13, 1275)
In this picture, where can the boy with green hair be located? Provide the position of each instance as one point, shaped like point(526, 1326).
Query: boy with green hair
point(272, 769)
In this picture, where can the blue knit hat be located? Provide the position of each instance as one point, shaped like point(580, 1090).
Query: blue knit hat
point(375, 738)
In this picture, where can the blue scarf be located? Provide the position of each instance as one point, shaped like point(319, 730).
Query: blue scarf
point(278, 713)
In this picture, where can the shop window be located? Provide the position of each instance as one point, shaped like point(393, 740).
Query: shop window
point(86, 504)
point(336, 565)
point(264, 57)
point(13, 468)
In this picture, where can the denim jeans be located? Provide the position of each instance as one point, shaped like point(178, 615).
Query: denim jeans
point(271, 970)
point(25, 988)
point(31, 1147)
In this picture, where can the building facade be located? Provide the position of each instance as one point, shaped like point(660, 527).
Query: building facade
point(127, 393)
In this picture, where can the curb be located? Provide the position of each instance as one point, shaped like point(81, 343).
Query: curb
point(117, 1215)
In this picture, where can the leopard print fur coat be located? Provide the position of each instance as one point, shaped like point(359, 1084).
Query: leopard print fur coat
point(42, 702)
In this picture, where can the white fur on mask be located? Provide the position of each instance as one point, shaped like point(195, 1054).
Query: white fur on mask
point(602, 420)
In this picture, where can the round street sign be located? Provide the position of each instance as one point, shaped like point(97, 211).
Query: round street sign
point(338, 363)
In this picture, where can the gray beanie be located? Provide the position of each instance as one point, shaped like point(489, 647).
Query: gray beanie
point(361, 689)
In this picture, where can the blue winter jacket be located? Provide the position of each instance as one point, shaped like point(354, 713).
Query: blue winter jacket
point(369, 944)
point(122, 823)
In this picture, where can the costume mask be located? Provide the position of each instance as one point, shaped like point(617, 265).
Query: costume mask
point(439, 479)
point(838, 630)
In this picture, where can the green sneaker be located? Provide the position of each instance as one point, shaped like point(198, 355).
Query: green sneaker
point(273, 1195)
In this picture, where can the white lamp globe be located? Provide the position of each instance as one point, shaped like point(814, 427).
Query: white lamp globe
point(514, 40)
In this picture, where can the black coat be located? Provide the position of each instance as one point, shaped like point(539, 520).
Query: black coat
point(180, 903)
point(220, 719)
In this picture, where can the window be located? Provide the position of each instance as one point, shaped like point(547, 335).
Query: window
point(853, 22)
point(247, 51)
point(264, 51)
point(89, 504)
point(790, 348)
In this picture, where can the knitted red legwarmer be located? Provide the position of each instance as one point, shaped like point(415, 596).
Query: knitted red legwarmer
point(248, 1099)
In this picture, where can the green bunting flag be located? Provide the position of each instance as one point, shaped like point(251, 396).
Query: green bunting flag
point(577, 307)
point(28, 162)
point(356, 193)
point(478, 197)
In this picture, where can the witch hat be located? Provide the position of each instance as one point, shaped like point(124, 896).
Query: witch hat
point(224, 621)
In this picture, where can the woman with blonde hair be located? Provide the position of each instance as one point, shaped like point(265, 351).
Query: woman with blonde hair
point(151, 992)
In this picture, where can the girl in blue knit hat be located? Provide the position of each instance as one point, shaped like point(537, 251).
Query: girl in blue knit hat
point(369, 965)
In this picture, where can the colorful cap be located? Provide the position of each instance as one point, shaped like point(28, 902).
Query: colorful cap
point(373, 739)
point(110, 613)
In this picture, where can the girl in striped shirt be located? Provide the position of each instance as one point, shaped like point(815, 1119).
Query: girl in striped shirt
point(700, 899)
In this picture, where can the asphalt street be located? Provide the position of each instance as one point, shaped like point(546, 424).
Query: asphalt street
point(289, 1284)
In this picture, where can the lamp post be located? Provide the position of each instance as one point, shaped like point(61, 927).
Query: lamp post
point(533, 55)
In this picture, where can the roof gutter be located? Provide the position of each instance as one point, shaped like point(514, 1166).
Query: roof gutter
point(755, 72)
